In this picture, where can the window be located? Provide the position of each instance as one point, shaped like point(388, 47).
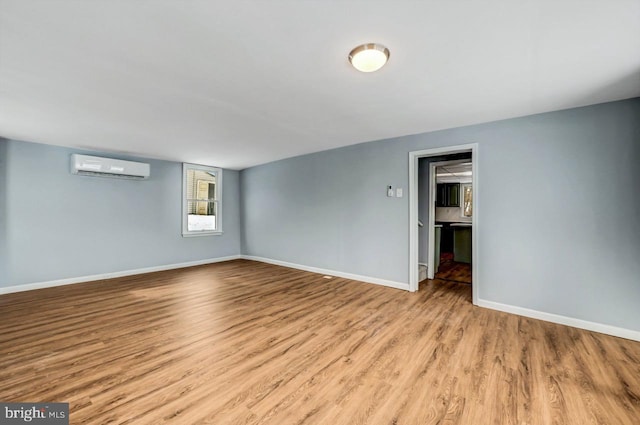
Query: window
point(201, 200)
point(467, 200)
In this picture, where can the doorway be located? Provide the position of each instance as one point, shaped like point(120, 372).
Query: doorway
point(414, 221)
point(443, 175)
point(448, 236)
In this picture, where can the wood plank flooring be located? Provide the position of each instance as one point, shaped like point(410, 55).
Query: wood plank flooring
point(457, 272)
point(250, 343)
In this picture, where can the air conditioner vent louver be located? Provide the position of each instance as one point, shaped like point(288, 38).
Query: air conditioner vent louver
point(117, 176)
point(96, 166)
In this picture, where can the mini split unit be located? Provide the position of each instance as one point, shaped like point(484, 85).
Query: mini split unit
point(86, 165)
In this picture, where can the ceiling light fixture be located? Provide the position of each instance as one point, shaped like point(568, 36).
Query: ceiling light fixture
point(369, 57)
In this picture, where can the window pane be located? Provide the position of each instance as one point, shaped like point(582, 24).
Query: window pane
point(468, 201)
point(201, 185)
point(201, 200)
point(201, 215)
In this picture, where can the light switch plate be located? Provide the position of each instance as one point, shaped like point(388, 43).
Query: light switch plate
point(399, 192)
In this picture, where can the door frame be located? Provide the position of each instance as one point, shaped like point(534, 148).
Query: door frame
point(414, 156)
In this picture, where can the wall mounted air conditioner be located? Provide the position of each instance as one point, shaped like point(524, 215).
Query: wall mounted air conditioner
point(86, 165)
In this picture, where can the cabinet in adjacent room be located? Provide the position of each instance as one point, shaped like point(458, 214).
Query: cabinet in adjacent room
point(448, 195)
point(462, 244)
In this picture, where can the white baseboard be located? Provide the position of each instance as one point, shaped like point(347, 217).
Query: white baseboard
point(72, 280)
point(367, 279)
point(562, 320)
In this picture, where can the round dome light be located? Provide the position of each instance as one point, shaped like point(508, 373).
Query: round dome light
point(369, 57)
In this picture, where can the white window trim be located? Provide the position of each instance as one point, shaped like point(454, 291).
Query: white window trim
point(185, 232)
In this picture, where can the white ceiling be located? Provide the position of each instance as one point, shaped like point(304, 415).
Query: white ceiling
point(238, 83)
point(457, 173)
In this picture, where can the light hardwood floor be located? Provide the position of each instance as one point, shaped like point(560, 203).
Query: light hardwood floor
point(250, 343)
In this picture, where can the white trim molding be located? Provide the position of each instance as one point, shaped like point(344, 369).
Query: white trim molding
point(562, 320)
point(102, 276)
point(367, 279)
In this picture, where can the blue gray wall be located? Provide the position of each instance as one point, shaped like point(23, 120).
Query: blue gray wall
point(3, 211)
point(60, 225)
point(330, 210)
point(557, 210)
point(557, 213)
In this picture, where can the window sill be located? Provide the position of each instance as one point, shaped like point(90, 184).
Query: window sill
point(197, 234)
